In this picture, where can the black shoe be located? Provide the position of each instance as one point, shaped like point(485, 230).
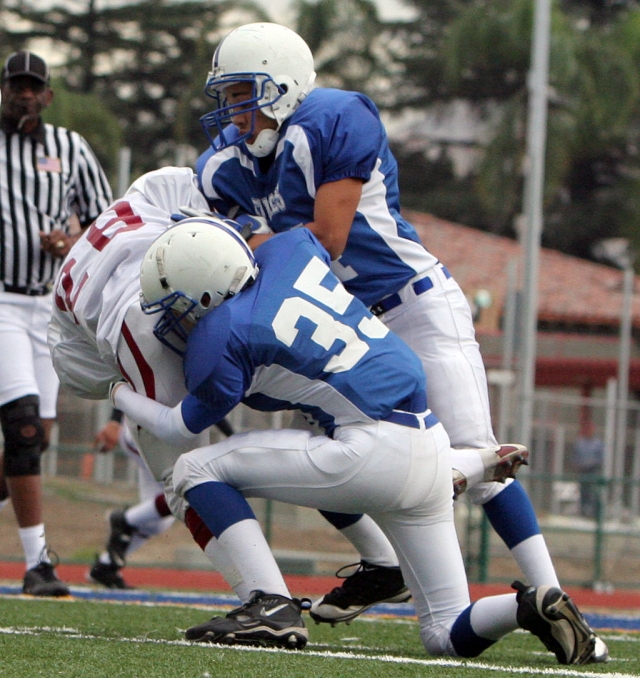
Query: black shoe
point(369, 585)
point(108, 575)
point(120, 537)
point(267, 619)
point(41, 580)
point(549, 613)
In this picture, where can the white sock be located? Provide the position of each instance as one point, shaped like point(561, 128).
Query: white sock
point(469, 462)
point(371, 542)
point(4, 502)
point(494, 616)
point(34, 544)
point(144, 512)
point(532, 556)
point(246, 547)
point(223, 564)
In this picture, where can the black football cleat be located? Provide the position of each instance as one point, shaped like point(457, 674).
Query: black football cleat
point(266, 620)
point(369, 585)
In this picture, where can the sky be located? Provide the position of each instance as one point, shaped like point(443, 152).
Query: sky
point(388, 9)
point(279, 9)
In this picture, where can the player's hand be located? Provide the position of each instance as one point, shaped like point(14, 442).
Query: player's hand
point(107, 437)
point(252, 224)
point(57, 243)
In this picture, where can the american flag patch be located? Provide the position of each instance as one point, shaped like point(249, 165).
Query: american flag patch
point(47, 164)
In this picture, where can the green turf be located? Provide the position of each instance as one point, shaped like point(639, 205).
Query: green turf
point(115, 640)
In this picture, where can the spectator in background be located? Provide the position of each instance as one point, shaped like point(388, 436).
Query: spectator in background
point(587, 460)
point(48, 174)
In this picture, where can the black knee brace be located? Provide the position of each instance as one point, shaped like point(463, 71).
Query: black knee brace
point(23, 436)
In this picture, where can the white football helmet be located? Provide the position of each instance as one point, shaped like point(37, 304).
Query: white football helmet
point(189, 270)
point(278, 63)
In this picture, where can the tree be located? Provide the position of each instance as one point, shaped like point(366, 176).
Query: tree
point(146, 62)
point(480, 52)
point(89, 116)
point(348, 43)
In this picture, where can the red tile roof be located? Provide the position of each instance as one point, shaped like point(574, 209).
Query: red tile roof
point(571, 290)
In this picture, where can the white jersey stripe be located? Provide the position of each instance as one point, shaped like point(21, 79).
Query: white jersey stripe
point(275, 381)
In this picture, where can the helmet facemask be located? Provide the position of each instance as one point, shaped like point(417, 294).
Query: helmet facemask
point(265, 94)
point(189, 271)
point(279, 66)
point(174, 326)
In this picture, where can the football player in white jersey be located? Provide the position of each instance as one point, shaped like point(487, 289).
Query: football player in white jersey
point(288, 154)
point(131, 527)
point(99, 334)
point(278, 331)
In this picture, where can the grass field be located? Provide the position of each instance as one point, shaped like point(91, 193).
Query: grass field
point(82, 638)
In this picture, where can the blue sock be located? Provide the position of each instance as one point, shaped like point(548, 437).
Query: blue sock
point(219, 505)
point(512, 516)
point(465, 641)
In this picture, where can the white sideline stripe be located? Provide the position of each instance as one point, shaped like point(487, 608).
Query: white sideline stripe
point(387, 659)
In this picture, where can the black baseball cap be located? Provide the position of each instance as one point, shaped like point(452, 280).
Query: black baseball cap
point(25, 63)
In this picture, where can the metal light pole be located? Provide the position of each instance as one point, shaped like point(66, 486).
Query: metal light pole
point(623, 386)
point(533, 200)
point(618, 252)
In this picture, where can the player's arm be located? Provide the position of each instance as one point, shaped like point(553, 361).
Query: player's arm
point(166, 423)
point(348, 157)
point(107, 437)
point(175, 425)
point(333, 213)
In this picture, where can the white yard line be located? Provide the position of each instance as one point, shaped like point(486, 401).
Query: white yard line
point(387, 659)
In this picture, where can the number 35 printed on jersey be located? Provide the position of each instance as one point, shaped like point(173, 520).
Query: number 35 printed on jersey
point(328, 329)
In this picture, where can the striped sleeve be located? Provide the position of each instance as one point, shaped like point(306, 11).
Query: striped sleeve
point(92, 193)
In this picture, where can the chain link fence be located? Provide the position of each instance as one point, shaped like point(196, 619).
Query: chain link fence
point(600, 551)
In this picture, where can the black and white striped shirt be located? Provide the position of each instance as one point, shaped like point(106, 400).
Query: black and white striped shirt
point(45, 177)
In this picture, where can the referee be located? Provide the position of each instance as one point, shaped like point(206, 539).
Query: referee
point(47, 174)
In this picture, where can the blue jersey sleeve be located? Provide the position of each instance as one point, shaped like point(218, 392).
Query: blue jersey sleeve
point(213, 373)
point(216, 196)
point(198, 416)
point(346, 139)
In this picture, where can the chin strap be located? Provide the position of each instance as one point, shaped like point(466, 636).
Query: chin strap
point(265, 142)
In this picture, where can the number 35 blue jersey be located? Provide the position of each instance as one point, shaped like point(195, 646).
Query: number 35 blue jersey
point(296, 339)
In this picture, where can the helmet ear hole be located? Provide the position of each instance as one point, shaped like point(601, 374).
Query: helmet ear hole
point(205, 300)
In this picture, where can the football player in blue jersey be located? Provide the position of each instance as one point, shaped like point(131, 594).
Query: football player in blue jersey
point(279, 332)
point(286, 154)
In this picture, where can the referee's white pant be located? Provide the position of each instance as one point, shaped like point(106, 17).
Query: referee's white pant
point(25, 361)
point(400, 476)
